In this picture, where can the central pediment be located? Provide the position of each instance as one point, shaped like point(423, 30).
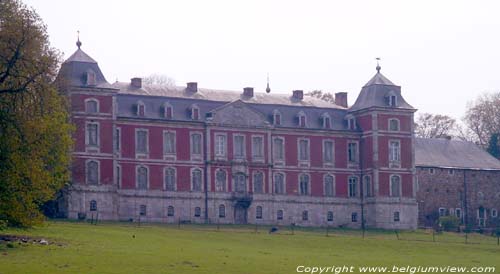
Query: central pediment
point(238, 113)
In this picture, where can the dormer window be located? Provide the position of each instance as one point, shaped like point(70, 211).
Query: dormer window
point(301, 119)
point(393, 124)
point(168, 111)
point(141, 109)
point(276, 118)
point(91, 106)
point(326, 119)
point(393, 101)
point(195, 112)
point(90, 77)
point(351, 123)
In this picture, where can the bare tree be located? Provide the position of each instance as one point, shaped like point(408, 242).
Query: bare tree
point(159, 79)
point(434, 126)
point(483, 117)
point(325, 96)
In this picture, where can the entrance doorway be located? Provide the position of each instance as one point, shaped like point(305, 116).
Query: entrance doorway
point(240, 215)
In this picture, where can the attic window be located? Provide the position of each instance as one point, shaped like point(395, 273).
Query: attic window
point(141, 109)
point(91, 78)
point(195, 112)
point(276, 117)
point(326, 121)
point(393, 100)
point(301, 119)
point(168, 111)
point(351, 123)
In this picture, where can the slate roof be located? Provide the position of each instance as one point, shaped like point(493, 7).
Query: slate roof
point(80, 56)
point(452, 154)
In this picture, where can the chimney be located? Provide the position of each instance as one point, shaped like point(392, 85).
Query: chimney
point(341, 99)
point(192, 87)
point(298, 94)
point(248, 92)
point(136, 82)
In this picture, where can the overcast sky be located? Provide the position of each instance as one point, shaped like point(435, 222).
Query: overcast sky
point(442, 53)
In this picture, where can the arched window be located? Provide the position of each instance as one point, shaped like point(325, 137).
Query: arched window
point(141, 109)
point(220, 180)
point(276, 117)
point(279, 183)
point(143, 210)
point(329, 216)
point(305, 215)
point(196, 180)
point(92, 172)
point(197, 211)
point(326, 119)
point(367, 190)
point(393, 124)
point(258, 212)
point(91, 78)
point(301, 119)
point(222, 211)
point(142, 178)
point(258, 182)
point(170, 211)
point(195, 112)
point(240, 184)
point(168, 111)
point(91, 106)
point(329, 186)
point(304, 184)
point(353, 187)
point(395, 186)
point(279, 214)
point(170, 183)
point(93, 205)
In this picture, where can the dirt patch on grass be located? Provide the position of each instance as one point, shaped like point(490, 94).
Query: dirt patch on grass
point(10, 239)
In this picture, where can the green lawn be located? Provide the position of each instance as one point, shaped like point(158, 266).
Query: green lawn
point(126, 248)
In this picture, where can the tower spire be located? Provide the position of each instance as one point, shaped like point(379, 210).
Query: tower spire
point(78, 43)
point(268, 89)
point(378, 65)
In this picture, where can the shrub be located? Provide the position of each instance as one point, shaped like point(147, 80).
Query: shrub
point(449, 223)
point(3, 224)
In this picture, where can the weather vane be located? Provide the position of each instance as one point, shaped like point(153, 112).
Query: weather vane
point(378, 65)
point(78, 43)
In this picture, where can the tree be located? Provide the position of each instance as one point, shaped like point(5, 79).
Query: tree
point(483, 117)
point(159, 79)
point(434, 126)
point(35, 132)
point(494, 146)
point(325, 96)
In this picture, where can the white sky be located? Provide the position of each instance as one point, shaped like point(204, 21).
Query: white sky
point(442, 53)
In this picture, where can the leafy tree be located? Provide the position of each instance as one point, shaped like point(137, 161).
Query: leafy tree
point(325, 96)
point(483, 117)
point(35, 132)
point(159, 79)
point(434, 126)
point(494, 146)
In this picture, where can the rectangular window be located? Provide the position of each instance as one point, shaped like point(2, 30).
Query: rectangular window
point(279, 215)
point(117, 139)
point(142, 210)
point(169, 143)
point(394, 151)
point(396, 216)
point(220, 145)
point(328, 152)
point(458, 213)
point(239, 146)
point(442, 211)
point(303, 150)
point(93, 134)
point(141, 141)
point(279, 149)
point(196, 144)
point(354, 217)
point(257, 147)
point(352, 152)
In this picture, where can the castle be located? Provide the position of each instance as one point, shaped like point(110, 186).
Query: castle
point(191, 154)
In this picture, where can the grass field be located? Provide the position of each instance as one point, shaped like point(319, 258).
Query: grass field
point(127, 248)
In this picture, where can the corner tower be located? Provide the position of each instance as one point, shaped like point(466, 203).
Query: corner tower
point(387, 158)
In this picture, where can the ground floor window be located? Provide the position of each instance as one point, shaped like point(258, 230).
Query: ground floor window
point(396, 216)
point(258, 212)
point(354, 217)
point(197, 212)
point(305, 215)
point(279, 215)
point(142, 210)
point(170, 211)
point(222, 211)
point(93, 205)
point(329, 216)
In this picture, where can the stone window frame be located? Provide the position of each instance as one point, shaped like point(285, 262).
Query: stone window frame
point(494, 213)
point(393, 100)
point(197, 212)
point(350, 181)
point(307, 161)
point(220, 156)
point(280, 214)
point(169, 155)
point(332, 162)
point(254, 173)
point(244, 151)
point(279, 121)
point(222, 211)
point(442, 211)
point(354, 217)
point(333, 185)
point(397, 124)
point(396, 162)
point(458, 213)
point(143, 210)
point(195, 112)
point(226, 184)
point(234, 177)
point(326, 120)
point(351, 161)
point(170, 211)
point(118, 175)
point(302, 119)
point(329, 216)
point(140, 153)
point(451, 171)
point(275, 160)
point(98, 133)
point(191, 176)
point(284, 182)
point(367, 191)
point(351, 122)
point(90, 78)
point(258, 212)
point(432, 171)
point(397, 216)
point(308, 176)
point(93, 205)
point(117, 139)
point(195, 156)
point(165, 169)
point(137, 167)
point(168, 110)
point(87, 162)
point(400, 187)
point(305, 215)
point(140, 104)
point(92, 100)
point(257, 158)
